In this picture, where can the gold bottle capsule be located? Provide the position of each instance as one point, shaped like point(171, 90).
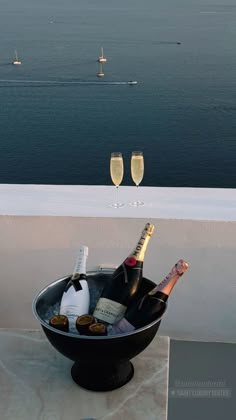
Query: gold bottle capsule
point(60, 322)
point(97, 329)
point(83, 322)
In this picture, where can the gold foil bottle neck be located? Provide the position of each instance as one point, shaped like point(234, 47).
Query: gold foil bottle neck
point(141, 246)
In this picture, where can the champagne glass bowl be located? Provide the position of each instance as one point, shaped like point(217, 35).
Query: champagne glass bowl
point(100, 363)
point(137, 172)
point(117, 173)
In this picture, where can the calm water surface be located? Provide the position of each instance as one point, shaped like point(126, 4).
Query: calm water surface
point(181, 114)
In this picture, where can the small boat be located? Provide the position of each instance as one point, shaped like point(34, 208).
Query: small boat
point(102, 59)
point(132, 82)
point(16, 61)
point(100, 73)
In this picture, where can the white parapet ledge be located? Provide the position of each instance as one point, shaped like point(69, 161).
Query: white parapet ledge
point(93, 201)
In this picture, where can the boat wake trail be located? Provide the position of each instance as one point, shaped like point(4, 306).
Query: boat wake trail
point(20, 82)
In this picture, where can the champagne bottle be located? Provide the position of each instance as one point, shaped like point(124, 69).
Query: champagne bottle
point(152, 305)
point(76, 299)
point(124, 283)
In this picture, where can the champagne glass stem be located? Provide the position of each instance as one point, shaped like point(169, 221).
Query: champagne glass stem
point(117, 194)
point(137, 202)
point(140, 202)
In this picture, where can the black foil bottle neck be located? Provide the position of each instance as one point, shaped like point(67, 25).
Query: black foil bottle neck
point(161, 296)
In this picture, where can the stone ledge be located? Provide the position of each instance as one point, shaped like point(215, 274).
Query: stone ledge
point(93, 201)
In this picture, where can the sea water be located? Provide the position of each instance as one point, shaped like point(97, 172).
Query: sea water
point(181, 114)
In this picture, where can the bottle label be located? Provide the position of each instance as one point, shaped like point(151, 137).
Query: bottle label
point(71, 315)
point(69, 310)
point(109, 311)
point(131, 261)
point(74, 304)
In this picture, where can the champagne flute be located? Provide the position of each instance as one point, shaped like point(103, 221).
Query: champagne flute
point(117, 173)
point(137, 172)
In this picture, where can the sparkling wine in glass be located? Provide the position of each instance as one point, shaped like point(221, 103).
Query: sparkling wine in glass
point(137, 172)
point(117, 173)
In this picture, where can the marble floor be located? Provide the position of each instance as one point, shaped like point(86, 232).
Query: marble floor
point(36, 384)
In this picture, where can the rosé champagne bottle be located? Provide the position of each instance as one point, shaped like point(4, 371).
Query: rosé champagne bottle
point(152, 305)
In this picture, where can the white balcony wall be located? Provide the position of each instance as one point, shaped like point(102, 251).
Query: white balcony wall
point(41, 228)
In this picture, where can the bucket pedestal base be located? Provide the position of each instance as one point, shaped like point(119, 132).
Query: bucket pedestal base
point(102, 377)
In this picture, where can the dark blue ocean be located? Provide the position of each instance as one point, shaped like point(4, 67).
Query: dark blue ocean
point(181, 114)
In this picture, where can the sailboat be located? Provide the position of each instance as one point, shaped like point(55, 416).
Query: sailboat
point(16, 61)
point(102, 59)
point(100, 73)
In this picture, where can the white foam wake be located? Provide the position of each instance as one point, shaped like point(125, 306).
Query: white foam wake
point(61, 82)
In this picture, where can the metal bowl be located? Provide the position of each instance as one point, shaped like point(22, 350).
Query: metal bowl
point(101, 363)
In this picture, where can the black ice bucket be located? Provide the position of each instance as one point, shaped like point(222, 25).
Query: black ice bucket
point(101, 363)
